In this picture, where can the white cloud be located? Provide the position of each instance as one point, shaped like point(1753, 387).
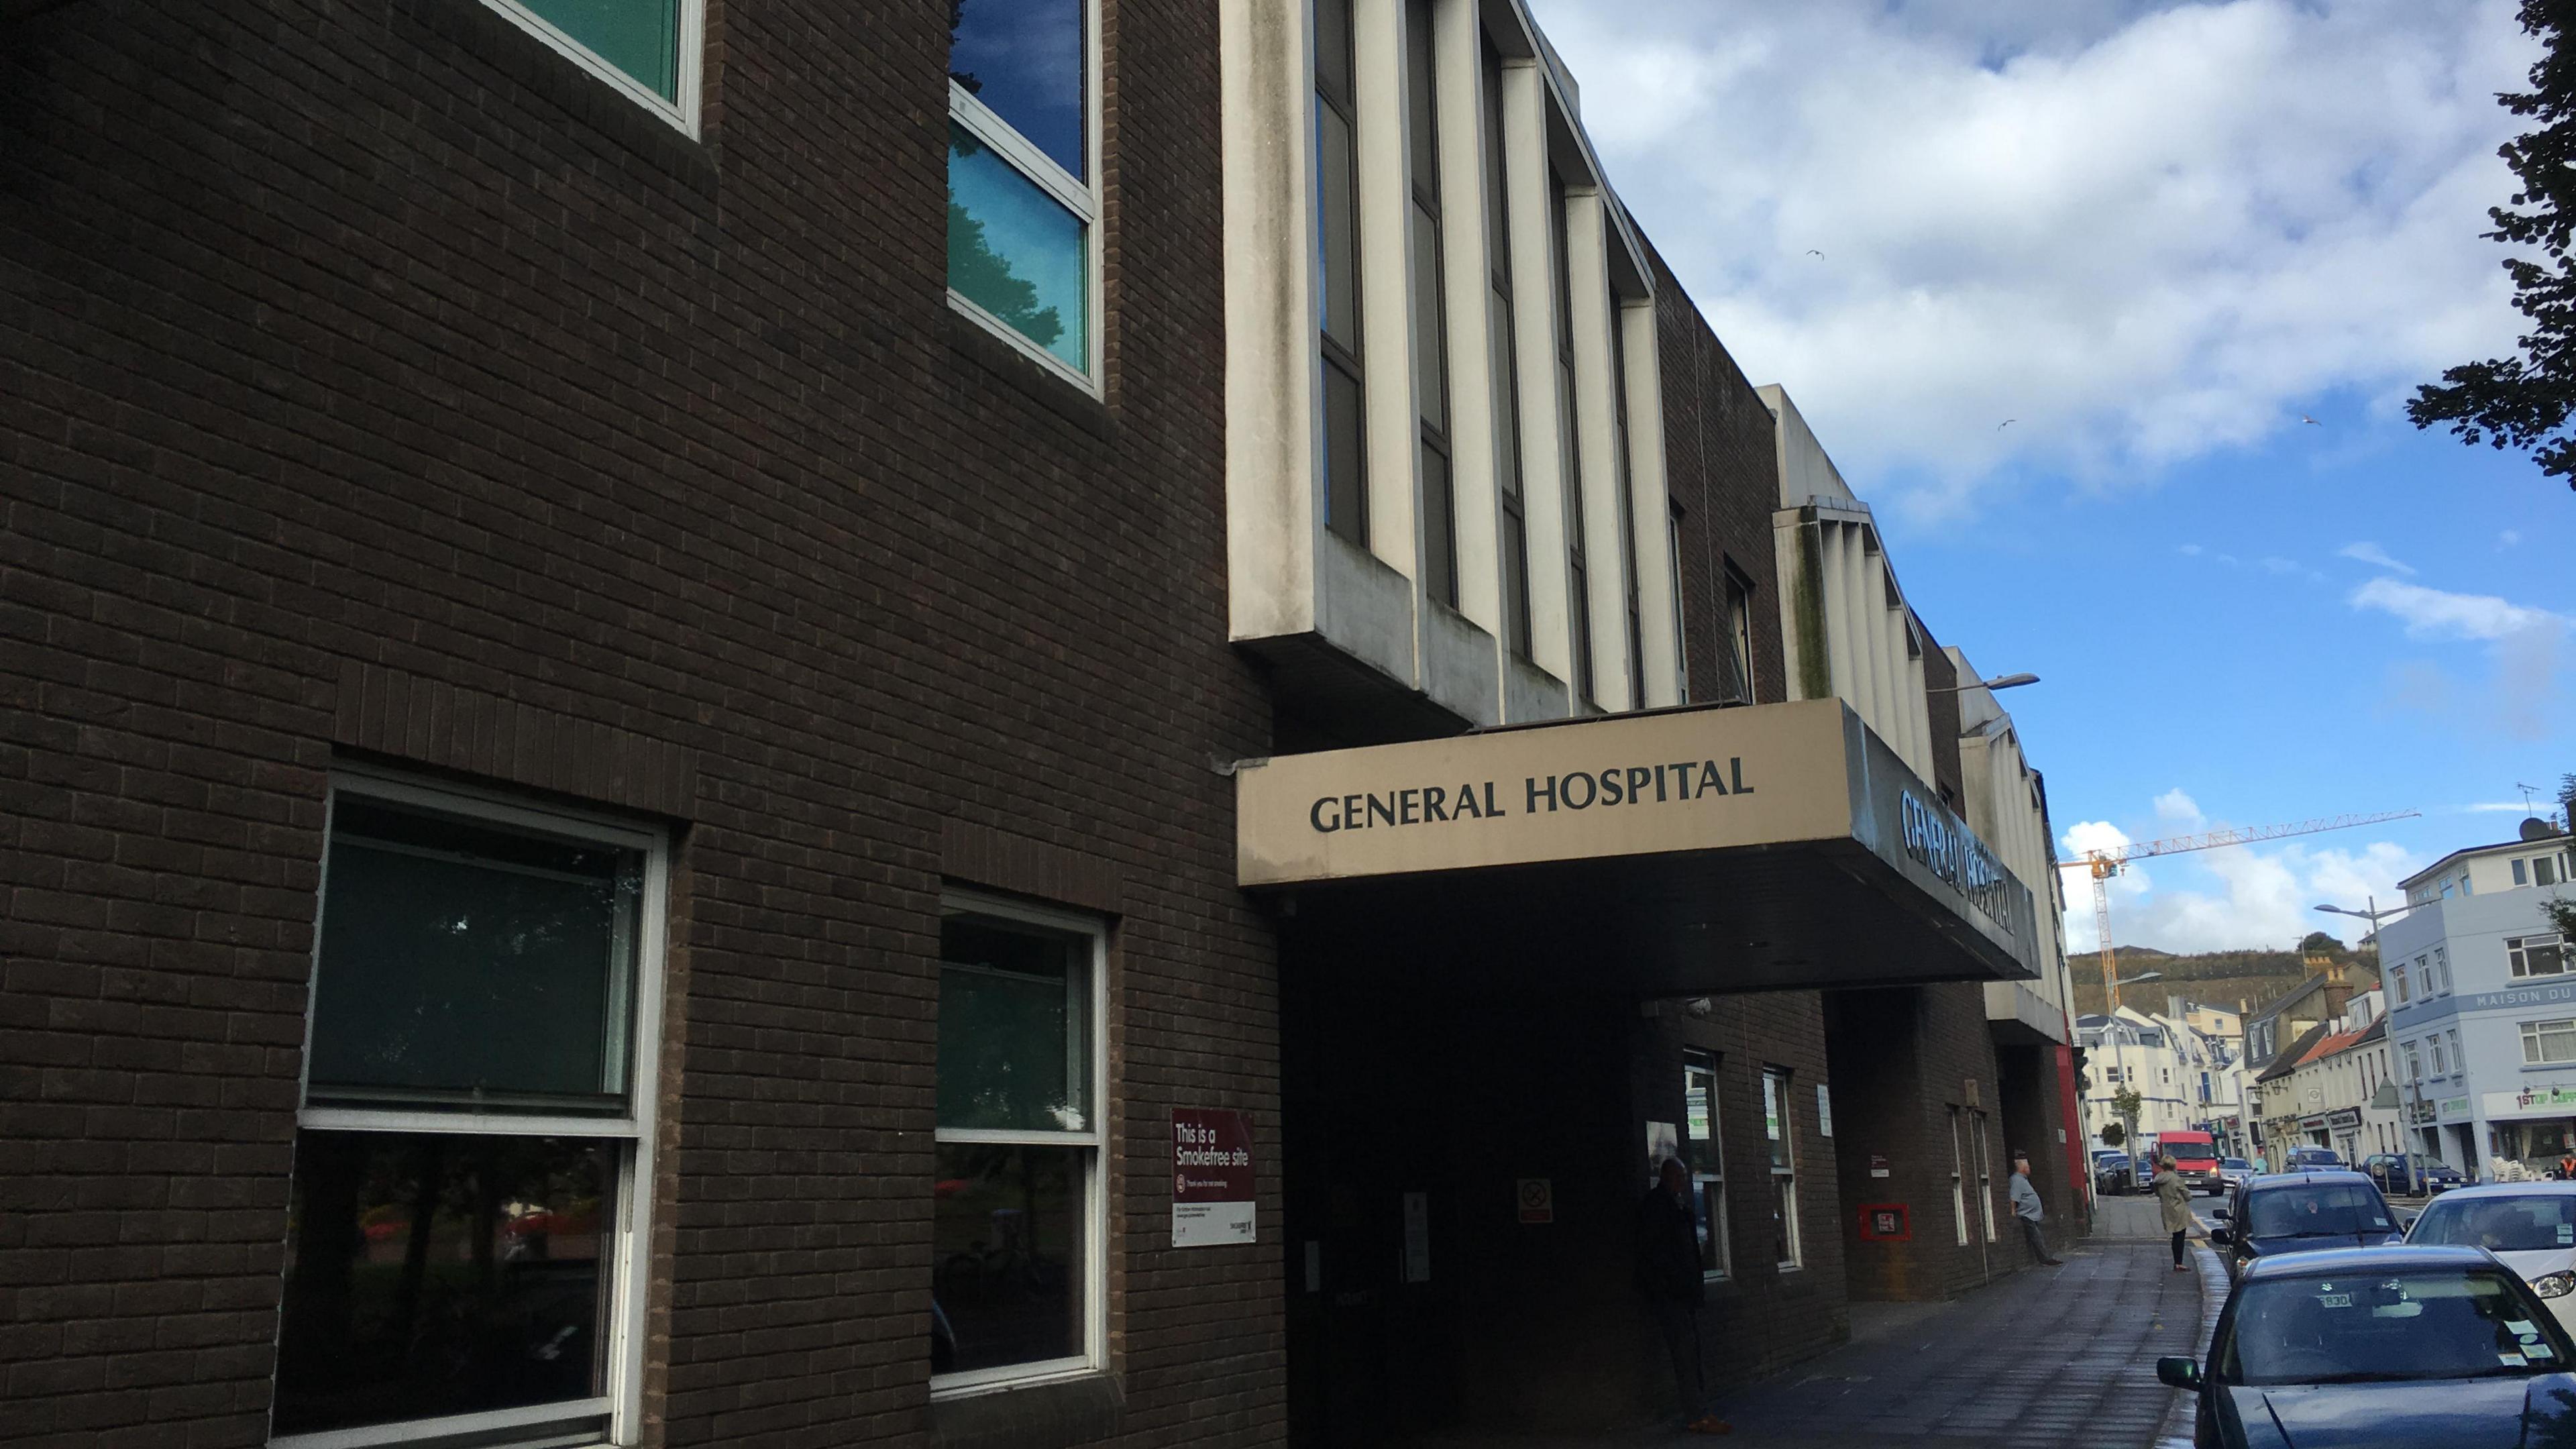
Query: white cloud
point(2438, 614)
point(2176, 808)
point(2256, 897)
point(2145, 230)
point(2496, 807)
point(2508, 539)
point(2373, 555)
point(2190, 550)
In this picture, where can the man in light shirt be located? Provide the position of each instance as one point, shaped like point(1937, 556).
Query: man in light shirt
point(2027, 1211)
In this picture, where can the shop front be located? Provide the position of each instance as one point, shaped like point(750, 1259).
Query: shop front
point(1521, 966)
point(2533, 1128)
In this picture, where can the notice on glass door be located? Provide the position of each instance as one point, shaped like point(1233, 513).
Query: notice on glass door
point(1211, 1177)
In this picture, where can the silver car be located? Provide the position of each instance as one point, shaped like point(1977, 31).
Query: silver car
point(2233, 1173)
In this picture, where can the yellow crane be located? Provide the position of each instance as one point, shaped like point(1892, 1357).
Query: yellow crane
point(2105, 864)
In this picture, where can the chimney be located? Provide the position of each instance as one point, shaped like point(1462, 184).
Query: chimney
point(2338, 992)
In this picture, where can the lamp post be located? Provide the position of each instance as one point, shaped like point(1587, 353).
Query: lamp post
point(2371, 915)
point(2119, 1048)
point(2000, 681)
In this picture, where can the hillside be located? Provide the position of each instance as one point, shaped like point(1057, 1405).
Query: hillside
point(2220, 978)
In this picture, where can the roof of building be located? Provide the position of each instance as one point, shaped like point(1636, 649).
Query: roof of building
point(2286, 1060)
point(2441, 866)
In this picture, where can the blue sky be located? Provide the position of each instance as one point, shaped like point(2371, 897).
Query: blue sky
point(2155, 236)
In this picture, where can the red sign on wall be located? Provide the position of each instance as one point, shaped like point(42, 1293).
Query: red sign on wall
point(1884, 1222)
point(1211, 1177)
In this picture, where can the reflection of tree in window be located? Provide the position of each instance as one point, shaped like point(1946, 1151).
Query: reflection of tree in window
point(977, 271)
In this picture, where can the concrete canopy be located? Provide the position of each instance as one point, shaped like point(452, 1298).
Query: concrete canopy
point(1680, 852)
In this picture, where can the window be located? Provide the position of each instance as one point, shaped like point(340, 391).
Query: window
point(1016, 1226)
point(2459, 1059)
point(2544, 871)
point(1506, 367)
point(1707, 1155)
point(2541, 955)
point(2397, 979)
point(1985, 1175)
point(2441, 1063)
point(1023, 188)
point(469, 1221)
point(1569, 456)
point(2521, 875)
point(1739, 630)
point(1958, 1179)
point(1777, 1125)
point(2548, 1041)
point(2442, 967)
point(1627, 495)
point(648, 49)
point(1337, 272)
point(2414, 1064)
point(1673, 561)
point(1430, 311)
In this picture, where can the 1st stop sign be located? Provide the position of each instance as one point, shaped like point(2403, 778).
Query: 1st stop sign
point(1211, 1177)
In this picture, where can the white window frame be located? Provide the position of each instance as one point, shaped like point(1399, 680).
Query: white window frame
point(1077, 194)
point(2397, 978)
point(1095, 1184)
point(1985, 1172)
point(2535, 1035)
point(2517, 961)
point(2442, 967)
point(681, 112)
point(2459, 1059)
point(630, 1267)
point(1706, 1065)
point(1787, 1207)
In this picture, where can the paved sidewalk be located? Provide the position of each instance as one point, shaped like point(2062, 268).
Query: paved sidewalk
point(2042, 1359)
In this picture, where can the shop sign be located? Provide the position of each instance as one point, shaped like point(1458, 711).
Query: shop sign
point(1211, 1177)
point(1941, 844)
point(1824, 1111)
point(2533, 1100)
point(1538, 1201)
point(2455, 1109)
point(1877, 1164)
point(1885, 1222)
point(2344, 1119)
point(2312, 1124)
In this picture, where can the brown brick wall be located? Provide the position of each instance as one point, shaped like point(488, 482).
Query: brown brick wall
point(373, 341)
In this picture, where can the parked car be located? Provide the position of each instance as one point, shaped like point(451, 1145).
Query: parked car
point(2303, 1158)
point(2301, 1212)
point(2440, 1176)
point(2115, 1174)
point(2234, 1172)
point(2531, 1226)
point(2388, 1346)
point(2395, 1172)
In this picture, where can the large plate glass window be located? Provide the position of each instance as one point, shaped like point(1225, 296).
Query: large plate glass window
point(1017, 1216)
point(1706, 1152)
point(649, 49)
point(465, 1253)
point(1023, 177)
point(1779, 1128)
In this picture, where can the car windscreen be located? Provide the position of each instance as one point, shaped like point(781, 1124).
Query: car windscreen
point(2536, 1223)
point(2315, 1209)
point(2416, 1323)
point(2191, 1154)
point(2238, 1164)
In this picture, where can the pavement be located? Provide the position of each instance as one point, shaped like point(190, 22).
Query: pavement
point(2040, 1359)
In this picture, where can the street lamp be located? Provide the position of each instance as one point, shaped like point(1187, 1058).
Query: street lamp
point(2119, 1048)
point(2000, 681)
point(2371, 915)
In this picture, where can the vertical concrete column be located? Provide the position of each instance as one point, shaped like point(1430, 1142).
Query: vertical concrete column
point(1456, 37)
point(1918, 714)
point(1656, 586)
point(1386, 283)
point(1595, 433)
point(1543, 481)
point(1274, 427)
point(1860, 615)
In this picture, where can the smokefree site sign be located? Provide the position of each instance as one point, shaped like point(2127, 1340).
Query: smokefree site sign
point(1211, 1177)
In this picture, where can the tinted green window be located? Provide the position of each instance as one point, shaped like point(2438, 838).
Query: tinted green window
point(1014, 1028)
point(639, 37)
point(1015, 251)
point(463, 964)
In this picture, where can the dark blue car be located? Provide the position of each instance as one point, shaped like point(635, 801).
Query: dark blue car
point(2382, 1346)
point(2301, 1212)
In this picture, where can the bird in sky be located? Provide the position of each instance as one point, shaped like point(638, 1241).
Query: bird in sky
point(2311, 422)
point(2006, 423)
point(1811, 251)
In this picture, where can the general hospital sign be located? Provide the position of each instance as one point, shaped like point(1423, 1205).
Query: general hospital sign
point(1611, 787)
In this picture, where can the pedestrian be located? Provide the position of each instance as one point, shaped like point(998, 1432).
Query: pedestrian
point(2026, 1208)
point(1668, 1273)
point(2175, 1196)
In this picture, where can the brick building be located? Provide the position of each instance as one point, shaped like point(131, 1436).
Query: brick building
point(636, 769)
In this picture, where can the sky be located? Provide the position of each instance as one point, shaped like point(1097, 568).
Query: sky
point(2110, 309)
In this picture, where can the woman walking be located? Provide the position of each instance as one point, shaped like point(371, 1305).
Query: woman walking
point(2174, 1196)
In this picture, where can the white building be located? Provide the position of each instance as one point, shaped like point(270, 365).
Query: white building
point(2481, 1009)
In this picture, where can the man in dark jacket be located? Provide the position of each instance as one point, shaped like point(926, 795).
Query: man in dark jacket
point(1668, 1273)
